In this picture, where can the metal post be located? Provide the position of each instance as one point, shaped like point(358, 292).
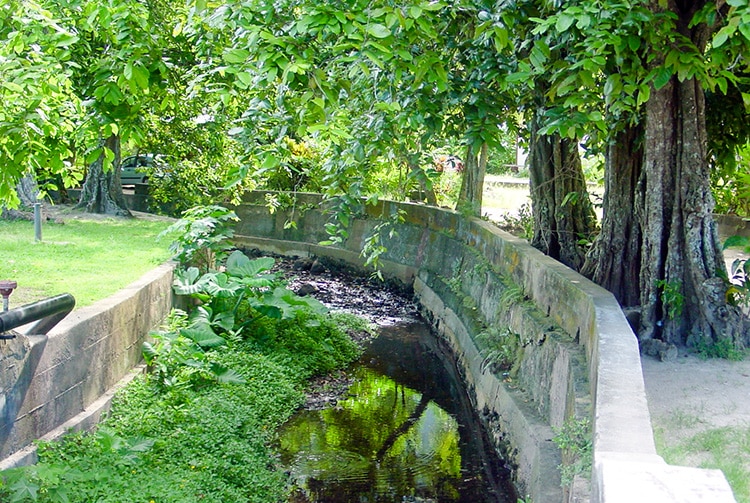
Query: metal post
point(37, 222)
point(6, 288)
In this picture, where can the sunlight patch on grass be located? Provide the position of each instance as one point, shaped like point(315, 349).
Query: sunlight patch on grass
point(90, 259)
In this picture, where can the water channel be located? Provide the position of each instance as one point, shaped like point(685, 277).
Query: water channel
point(404, 431)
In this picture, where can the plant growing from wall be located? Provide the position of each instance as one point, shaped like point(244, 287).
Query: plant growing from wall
point(574, 438)
point(512, 295)
point(501, 348)
point(374, 247)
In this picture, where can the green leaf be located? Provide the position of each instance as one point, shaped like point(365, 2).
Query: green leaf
point(188, 282)
point(238, 264)
point(644, 93)
point(202, 334)
point(500, 38)
point(270, 162)
point(245, 79)
point(66, 40)
point(227, 375)
point(224, 320)
point(378, 30)
point(141, 76)
point(537, 58)
point(634, 43)
point(564, 21)
point(236, 56)
point(662, 77)
point(722, 35)
point(746, 101)
point(23, 489)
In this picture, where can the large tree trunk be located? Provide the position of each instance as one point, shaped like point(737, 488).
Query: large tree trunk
point(102, 191)
point(563, 214)
point(472, 183)
point(614, 260)
point(683, 298)
point(27, 191)
point(682, 294)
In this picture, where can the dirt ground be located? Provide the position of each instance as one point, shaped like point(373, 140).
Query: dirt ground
point(690, 395)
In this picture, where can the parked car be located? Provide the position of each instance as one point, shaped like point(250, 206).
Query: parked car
point(134, 169)
point(138, 168)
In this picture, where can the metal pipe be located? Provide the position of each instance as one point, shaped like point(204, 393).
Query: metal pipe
point(48, 311)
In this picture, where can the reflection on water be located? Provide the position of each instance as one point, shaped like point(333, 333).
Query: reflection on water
point(405, 433)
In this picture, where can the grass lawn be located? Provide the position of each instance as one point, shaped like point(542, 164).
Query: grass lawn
point(88, 258)
point(726, 449)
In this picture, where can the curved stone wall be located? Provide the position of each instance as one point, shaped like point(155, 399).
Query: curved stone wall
point(577, 356)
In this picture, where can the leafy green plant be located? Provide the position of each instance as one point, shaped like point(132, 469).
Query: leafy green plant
point(203, 236)
point(574, 438)
point(671, 297)
point(500, 348)
point(245, 288)
point(512, 295)
point(312, 343)
point(738, 286)
point(721, 348)
point(38, 483)
point(226, 303)
point(177, 356)
point(520, 224)
point(51, 482)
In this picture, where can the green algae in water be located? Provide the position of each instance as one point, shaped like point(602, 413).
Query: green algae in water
point(392, 439)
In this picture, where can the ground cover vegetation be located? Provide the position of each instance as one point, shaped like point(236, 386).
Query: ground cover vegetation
point(355, 99)
point(222, 376)
point(722, 448)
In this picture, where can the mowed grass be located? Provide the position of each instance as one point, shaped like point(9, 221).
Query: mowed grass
point(726, 449)
point(88, 258)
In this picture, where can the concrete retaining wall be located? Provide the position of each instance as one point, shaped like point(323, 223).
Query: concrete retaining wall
point(579, 358)
point(64, 380)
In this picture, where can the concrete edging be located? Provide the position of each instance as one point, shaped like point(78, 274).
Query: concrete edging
point(66, 379)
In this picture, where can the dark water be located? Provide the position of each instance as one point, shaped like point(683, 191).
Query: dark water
point(406, 432)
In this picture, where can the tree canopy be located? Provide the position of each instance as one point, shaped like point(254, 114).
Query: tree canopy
point(341, 94)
